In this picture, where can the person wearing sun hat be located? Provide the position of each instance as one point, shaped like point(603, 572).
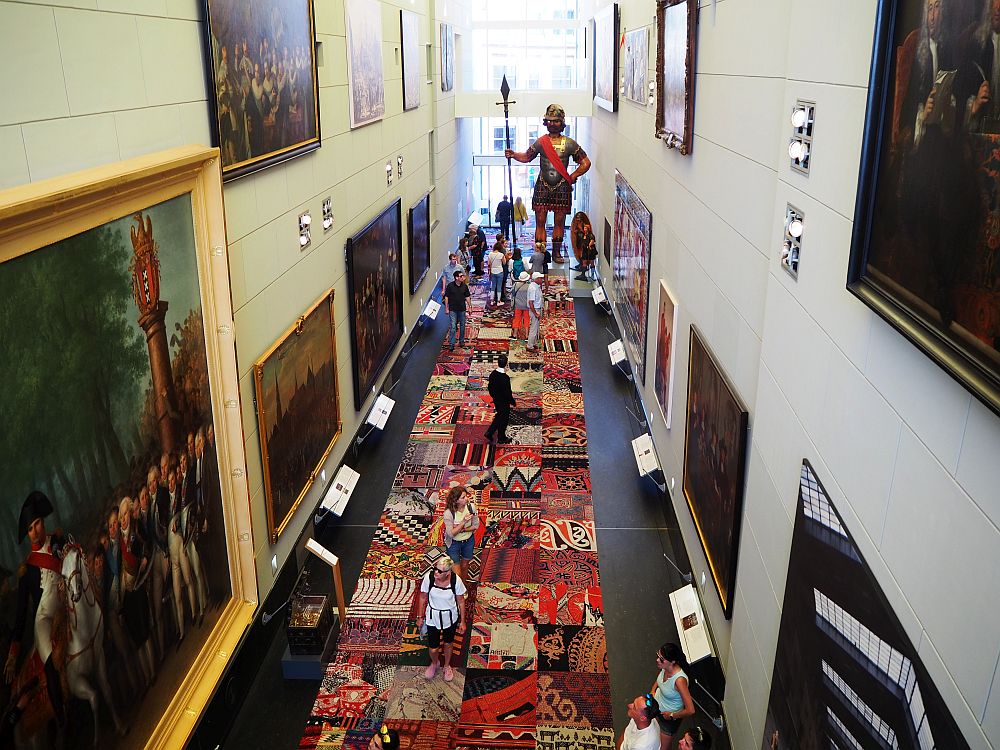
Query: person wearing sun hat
point(535, 310)
point(519, 293)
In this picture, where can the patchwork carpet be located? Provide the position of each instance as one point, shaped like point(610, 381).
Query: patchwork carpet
point(531, 669)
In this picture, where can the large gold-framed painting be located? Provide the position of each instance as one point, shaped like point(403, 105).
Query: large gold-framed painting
point(298, 409)
point(126, 536)
point(265, 89)
point(365, 82)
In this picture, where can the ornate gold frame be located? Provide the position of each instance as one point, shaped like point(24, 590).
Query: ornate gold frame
point(36, 215)
point(276, 526)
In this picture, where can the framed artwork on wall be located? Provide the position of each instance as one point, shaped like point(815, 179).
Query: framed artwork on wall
point(927, 216)
point(607, 242)
point(606, 44)
point(298, 410)
point(365, 80)
point(715, 450)
point(636, 63)
point(116, 421)
point(409, 26)
point(447, 57)
point(419, 245)
point(375, 280)
point(666, 336)
point(633, 237)
point(676, 38)
point(263, 85)
point(840, 637)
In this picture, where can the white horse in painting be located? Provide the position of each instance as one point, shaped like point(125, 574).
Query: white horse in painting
point(85, 655)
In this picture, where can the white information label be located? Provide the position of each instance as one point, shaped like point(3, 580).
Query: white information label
point(599, 296)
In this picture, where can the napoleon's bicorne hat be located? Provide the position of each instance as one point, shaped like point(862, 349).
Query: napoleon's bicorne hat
point(37, 505)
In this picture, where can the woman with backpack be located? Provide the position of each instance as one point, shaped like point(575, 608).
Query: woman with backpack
point(519, 293)
point(442, 601)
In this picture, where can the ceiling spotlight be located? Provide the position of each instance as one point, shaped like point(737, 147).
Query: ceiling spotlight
point(306, 219)
point(799, 117)
point(795, 228)
point(303, 240)
point(796, 149)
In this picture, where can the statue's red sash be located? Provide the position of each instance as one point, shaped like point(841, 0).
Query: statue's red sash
point(550, 152)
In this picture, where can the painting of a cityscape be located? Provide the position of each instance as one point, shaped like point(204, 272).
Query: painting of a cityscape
point(298, 409)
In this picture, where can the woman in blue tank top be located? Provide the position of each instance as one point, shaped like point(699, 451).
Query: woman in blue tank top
point(671, 692)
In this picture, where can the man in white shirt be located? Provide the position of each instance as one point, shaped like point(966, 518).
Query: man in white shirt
point(642, 732)
point(534, 311)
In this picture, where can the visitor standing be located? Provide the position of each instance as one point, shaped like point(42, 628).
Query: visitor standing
point(520, 214)
point(534, 311)
point(671, 692)
point(455, 296)
point(505, 215)
point(442, 608)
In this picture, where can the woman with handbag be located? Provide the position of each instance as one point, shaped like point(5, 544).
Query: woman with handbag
point(442, 602)
point(461, 519)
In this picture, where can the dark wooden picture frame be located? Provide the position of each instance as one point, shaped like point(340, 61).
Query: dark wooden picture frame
point(838, 630)
point(633, 245)
point(923, 253)
point(418, 248)
point(375, 283)
point(715, 453)
point(607, 31)
point(298, 409)
point(409, 34)
point(676, 39)
point(254, 131)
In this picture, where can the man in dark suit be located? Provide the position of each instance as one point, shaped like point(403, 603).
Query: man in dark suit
point(503, 400)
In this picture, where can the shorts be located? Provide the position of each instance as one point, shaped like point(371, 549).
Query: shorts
point(668, 727)
point(463, 550)
point(435, 636)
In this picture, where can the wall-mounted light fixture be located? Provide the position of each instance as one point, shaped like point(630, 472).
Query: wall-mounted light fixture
point(803, 120)
point(327, 214)
point(399, 165)
point(388, 173)
point(305, 233)
point(792, 246)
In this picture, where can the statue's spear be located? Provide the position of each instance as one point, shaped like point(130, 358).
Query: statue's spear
point(505, 92)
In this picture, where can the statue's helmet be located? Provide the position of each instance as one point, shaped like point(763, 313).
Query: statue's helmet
point(555, 112)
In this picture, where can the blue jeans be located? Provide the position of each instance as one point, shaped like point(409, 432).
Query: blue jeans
point(457, 321)
point(496, 285)
point(465, 550)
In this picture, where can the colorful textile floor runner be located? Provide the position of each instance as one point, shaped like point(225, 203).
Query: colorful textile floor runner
point(531, 670)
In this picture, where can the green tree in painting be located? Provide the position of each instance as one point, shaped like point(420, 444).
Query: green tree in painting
point(71, 366)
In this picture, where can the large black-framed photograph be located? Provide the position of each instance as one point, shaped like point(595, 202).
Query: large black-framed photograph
point(264, 86)
point(845, 672)
point(715, 450)
point(375, 281)
point(606, 38)
point(365, 79)
point(676, 37)
point(409, 29)
point(925, 254)
point(298, 409)
point(419, 245)
point(633, 242)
